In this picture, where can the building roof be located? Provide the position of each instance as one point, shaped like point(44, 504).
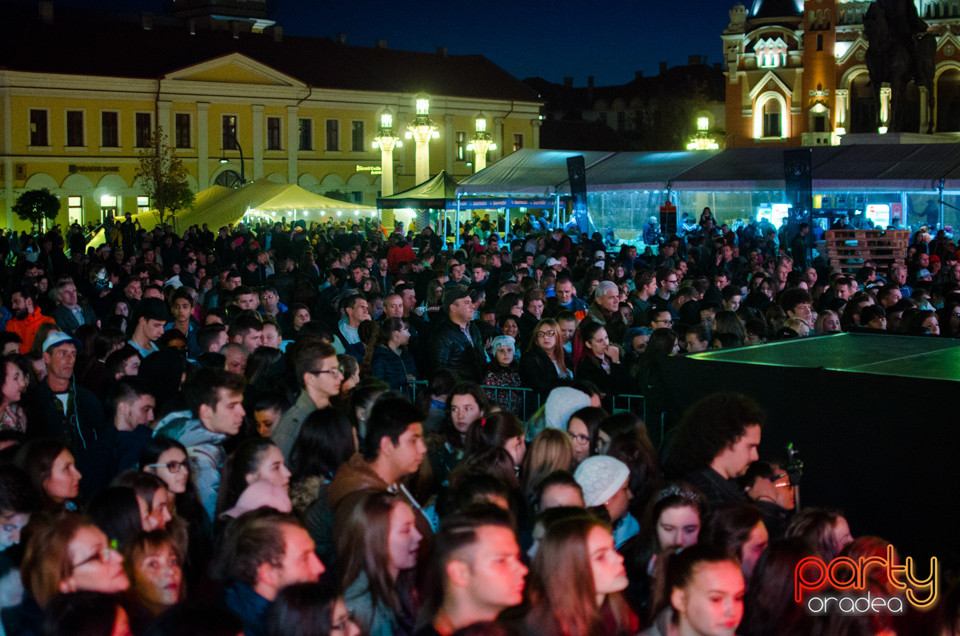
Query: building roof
point(80, 42)
point(776, 9)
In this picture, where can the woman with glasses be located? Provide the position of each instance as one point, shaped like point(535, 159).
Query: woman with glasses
point(584, 429)
point(545, 365)
point(167, 459)
point(66, 553)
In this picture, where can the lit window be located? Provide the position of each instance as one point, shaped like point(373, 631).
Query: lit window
point(771, 118)
point(75, 209)
point(703, 123)
point(423, 106)
point(143, 204)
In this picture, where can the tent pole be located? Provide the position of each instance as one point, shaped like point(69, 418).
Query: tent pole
point(456, 228)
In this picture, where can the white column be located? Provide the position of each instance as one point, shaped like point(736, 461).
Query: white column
point(293, 144)
point(423, 155)
point(163, 120)
point(203, 145)
point(535, 137)
point(841, 110)
point(257, 141)
point(386, 176)
point(7, 158)
point(885, 93)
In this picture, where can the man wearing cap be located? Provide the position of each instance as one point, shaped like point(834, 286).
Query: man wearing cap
point(26, 317)
point(605, 482)
point(456, 344)
point(58, 408)
point(151, 318)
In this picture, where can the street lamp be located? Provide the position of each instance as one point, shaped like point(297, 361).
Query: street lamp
point(223, 159)
point(481, 143)
point(386, 141)
point(423, 130)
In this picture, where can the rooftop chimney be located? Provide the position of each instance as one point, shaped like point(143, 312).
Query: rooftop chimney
point(637, 75)
point(694, 60)
point(589, 89)
point(568, 82)
point(442, 51)
point(277, 31)
point(381, 44)
point(341, 38)
point(146, 20)
point(717, 66)
point(663, 67)
point(46, 12)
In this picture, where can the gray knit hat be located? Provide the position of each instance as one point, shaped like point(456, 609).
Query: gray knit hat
point(600, 477)
point(563, 402)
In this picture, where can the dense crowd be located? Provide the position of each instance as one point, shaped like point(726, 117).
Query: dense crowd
point(331, 429)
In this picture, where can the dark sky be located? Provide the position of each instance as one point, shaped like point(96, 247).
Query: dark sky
point(549, 38)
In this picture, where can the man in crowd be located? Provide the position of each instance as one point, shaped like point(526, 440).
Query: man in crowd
point(456, 344)
point(26, 317)
point(70, 313)
point(150, 318)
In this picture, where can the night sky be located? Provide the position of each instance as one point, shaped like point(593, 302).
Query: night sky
point(552, 39)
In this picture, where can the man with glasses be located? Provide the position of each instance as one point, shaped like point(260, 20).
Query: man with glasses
point(320, 376)
point(661, 319)
point(768, 485)
point(668, 282)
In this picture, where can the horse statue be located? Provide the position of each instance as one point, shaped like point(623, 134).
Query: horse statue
point(898, 55)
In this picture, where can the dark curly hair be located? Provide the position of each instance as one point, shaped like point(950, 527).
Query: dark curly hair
point(712, 424)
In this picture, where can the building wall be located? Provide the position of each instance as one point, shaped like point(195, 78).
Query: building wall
point(240, 87)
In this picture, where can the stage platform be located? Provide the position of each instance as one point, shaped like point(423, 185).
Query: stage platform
point(907, 356)
point(873, 416)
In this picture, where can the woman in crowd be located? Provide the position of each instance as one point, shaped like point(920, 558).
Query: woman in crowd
point(575, 582)
point(153, 563)
point(52, 470)
point(551, 450)
point(826, 531)
point(16, 379)
point(584, 429)
point(702, 596)
point(545, 364)
point(599, 361)
point(254, 460)
point(739, 529)
point(65, 553)
point(498, 430)
point(466, 404)
point(387, 357)
point(310, 609)
point(377, 547)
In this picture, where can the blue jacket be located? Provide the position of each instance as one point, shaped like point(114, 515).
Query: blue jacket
point(393, 367)
point(249, 606)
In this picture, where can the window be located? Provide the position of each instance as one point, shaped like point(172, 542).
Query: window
point(819, 124)
point(356, 136)
point(38, 128)
point(143, 204)
point(306, 134)
point(333, 135)
point(771, 118)
point(108, 206)
point(109, 129)
point(517, 142)
point(74, 128)
point(181, 125)
point(461, 146)
point(273, 133)
point(144, 129)
point(819, 42)
point(229, 137)
point(621, 120)
point(75, 209)
point(771, 53)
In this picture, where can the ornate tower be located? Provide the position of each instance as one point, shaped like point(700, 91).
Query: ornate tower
point(819, 94)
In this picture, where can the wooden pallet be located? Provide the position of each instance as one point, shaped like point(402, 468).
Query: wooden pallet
point(850, 249)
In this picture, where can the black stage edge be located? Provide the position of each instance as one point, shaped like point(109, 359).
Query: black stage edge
point(883, 447)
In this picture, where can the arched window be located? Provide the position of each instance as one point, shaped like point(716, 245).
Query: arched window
point(770, 116)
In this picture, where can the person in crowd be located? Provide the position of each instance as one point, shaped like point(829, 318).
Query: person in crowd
point(215, 413)
point(27, 317)
point(479, 568)
point(466, 403)
point(606, 485)
point(17, 504)
point(545, 364)
point(320, 376)
point(310, 609)
point(51, 468)
point(502, 374)
point(377, 545)
point(149, 320)
point(70, 313)
point(262, 552)
point(576, 580)
point(770, 487)
point(254, 460)
point(715, 443)
point(387, 356)
point(599, 361)
point(738, 528)
point(584, 429)
point(16, 379)
point(456, 344)
point(825, 531)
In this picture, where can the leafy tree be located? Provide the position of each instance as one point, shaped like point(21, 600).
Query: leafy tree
point(35, 205)
point(162, 177)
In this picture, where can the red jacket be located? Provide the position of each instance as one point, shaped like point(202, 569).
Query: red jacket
point(27, 328)
point(397, 255)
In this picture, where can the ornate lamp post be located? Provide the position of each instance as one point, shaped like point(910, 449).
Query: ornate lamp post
point(422, 130)
point(223, 159)
point(481, 143)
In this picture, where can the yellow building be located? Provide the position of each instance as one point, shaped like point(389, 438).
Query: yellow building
point(80, 96)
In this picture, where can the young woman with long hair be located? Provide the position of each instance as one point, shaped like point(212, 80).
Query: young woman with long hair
point(545, 364)
point(575, 582)
point(387, 357)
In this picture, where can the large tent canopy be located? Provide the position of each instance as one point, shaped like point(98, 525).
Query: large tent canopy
point(269, 200)
point(437, 193)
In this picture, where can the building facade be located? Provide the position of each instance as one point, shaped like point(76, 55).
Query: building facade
point(796, 73)
point(80, 96)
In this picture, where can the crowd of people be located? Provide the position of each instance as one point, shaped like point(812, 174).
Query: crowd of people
point(329, 429)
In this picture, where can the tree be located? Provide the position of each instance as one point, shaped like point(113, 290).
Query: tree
point(35, 205)
point(162, 177)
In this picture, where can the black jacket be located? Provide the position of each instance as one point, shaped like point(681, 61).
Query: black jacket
point(611, 383)
point(538, 373)
point(450, 349)
point(392, 368)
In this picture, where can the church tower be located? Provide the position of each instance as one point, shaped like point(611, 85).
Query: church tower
point(819, 94)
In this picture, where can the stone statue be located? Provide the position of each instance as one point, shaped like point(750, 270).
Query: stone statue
point(900, 51)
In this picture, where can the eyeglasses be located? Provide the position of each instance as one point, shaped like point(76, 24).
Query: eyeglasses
point(101, 556)
point(173, 467)
point(666, 321)
point(781, 481)
point(337, 371)
point(672, 282)
point(581, 439)
point(546, 334)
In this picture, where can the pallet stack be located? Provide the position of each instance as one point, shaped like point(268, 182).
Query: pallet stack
point(848, 250)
